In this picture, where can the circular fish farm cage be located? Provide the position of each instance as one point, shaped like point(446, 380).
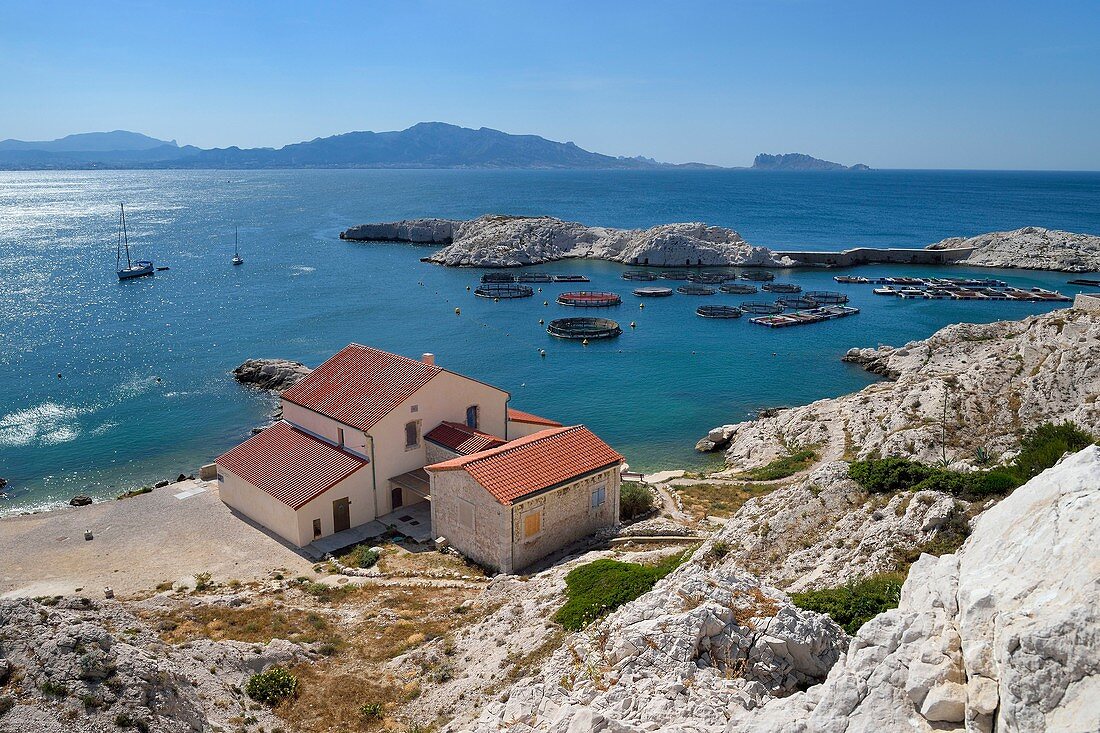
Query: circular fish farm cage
point(696, 290)
point(584, 328)
point(653, 292)
point(796, 303)
point(535, 277)
point(503, 290)
point(644, 275)
point(761, 308)
point(675, 275)
point(826, 297)
point(738, 289)
point(708, 278)
point(498, 277)
point(757, 276)
point(589, 299)
point(718, 311)
point(781, 287)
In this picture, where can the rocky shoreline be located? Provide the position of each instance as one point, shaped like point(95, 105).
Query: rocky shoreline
point(517, 241)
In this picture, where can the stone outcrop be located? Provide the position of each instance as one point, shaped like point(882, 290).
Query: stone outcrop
point(513, 241)
point(825, 530)
point(997, 379)
point(87, 667)
point(1004, 635)
point(1033, 248)
point(706, 640)
point(276, 375)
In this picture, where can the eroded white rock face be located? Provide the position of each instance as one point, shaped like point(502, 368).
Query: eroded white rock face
point(997, 378)
point(509, 241)
point(1004, 635)
point(705, 641)
point(1033, 248)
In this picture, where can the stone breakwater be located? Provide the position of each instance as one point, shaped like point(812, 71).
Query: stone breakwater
point(997, 379)
point(515, 241)
point(1032, 248)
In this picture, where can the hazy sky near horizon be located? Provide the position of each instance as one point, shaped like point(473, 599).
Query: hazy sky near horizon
point(1008, 85)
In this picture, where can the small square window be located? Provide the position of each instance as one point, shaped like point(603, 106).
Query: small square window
point(532, 524)
point(599, 496)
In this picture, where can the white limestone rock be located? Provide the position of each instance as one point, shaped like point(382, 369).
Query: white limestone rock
point(1003, 636)
point(998, 379)
point(1033, 248)
point(512, 241)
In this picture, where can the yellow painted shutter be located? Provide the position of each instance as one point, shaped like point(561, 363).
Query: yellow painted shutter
point(532, 523)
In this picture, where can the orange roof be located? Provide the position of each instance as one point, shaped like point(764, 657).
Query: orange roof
point(359, 385)
point(290, 465)
point(461, 438)
point(536, 462)
point(521, 416)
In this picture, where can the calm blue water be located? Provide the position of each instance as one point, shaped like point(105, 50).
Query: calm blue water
point(145, 391)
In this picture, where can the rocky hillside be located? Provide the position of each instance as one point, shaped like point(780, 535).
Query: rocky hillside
point(800, 162)
point(995, 379)
point(512, 241)
point(1002, 636)
point(1032, 248)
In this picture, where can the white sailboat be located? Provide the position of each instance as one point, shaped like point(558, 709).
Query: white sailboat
point(134, 268)
point(237, 259)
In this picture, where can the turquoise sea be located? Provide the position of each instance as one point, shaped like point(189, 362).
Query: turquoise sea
point(144, 391)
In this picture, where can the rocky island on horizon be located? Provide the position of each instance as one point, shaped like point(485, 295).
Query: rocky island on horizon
point(801, 162)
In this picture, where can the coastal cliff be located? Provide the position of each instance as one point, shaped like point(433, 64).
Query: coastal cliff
point(513, 241)
point(1032, 248)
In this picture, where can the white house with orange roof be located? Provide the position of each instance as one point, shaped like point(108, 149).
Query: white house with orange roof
point(354, 441)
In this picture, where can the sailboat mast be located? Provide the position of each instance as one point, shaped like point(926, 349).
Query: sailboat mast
point(118, 248)
point(125, 239)
point(236, 249)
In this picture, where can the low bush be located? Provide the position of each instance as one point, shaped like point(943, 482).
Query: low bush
point(272, 686)
point(1043, 446)
point(888, 475)
point(597, 588)
point(854, 604)
point(635, 500)
point(782, 467)
point(372, 710)
point(362, 557)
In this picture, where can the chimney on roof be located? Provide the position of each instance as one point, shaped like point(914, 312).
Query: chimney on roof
point(428, 359)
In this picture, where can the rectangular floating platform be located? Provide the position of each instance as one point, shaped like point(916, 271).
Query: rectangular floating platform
point(802, 317)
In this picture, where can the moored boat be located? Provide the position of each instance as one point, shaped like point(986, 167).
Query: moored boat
point(134, 268)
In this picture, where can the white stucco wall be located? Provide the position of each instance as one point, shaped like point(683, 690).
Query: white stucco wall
point(258, 506)
point(355, 441)
point(518, 429)
point(445, 397)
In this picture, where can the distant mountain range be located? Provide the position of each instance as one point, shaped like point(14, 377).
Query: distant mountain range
point(800, 162)
point(424, 145)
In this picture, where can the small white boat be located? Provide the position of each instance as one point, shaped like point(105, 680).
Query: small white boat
point(910, 293)
point(134, 268)
point(237, 259)
point(887, 290)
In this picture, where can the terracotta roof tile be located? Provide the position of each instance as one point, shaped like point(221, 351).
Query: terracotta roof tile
point(461, 438)
point(290, 465)
point(359, 385)
point(535, 462)
point(521, 416)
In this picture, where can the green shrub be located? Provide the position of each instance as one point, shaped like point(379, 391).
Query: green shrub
point(371, 711)
point(597, 588)
point(782, 467)
point(203, 582)
point(364, 557)
point(272, 686)
point(854, 604)
point(1043, 446)
point(888, 475)
point(635, 500)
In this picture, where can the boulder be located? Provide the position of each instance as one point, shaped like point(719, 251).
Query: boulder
point(80, 500)
point(276, 375)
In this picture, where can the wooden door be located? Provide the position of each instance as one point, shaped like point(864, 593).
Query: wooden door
point(395, 499)
point(341, 515)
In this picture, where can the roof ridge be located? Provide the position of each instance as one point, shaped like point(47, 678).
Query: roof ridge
point(509, 447)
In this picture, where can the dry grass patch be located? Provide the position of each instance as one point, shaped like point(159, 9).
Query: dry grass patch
point(719, 500)
point(254, 624)
point(398, 560)
point(356, 690)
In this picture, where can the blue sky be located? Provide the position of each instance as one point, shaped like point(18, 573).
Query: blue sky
point(893, 84)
